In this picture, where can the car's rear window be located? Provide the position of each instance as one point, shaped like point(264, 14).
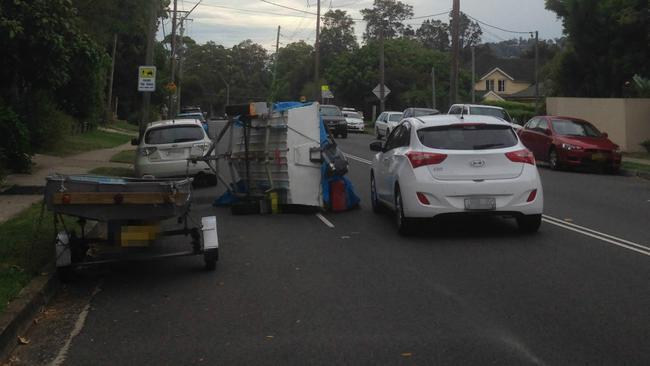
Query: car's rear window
point(468, 137)
point(568, 127)
point(330, 111)
point(352, 114)
point(395, 117)
point(173, 134)
point(419, 112)
point(495, 112)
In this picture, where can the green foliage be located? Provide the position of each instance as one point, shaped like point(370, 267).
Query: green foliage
point(15, 149)
point(641, 86)
point(607, 43)
point(389, 15)
point(26, 245)
point(433, 34)
point(113, 171)
point(521, 112)
point(295, 68)
point(48, 125)
point(126, 156)
point(337, 36)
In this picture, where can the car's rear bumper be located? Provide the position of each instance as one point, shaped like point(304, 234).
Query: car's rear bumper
point(356, 128)
point(445, 197)
point(169, 168)
point(589, 159)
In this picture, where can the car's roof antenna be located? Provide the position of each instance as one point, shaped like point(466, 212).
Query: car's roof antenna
point(462, 110)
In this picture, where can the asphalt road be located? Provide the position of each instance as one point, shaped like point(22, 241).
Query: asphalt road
point(291, 290)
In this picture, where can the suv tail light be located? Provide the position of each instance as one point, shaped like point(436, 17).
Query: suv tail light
point(146, 151)
point(419, 159)
point(521, 156)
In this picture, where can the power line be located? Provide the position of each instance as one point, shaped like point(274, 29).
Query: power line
point(242, 10)
point(495, 27)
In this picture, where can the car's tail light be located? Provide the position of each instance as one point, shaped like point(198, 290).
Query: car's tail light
point(422, 198)
point(146, 151)
point(532, 195)
point(419, 159)
point(521, 156)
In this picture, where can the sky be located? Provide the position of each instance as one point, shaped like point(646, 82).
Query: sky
point(228, 22)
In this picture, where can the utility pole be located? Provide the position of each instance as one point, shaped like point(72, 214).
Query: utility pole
point(109, 100)
point(151, 36)
point(473, 75)
point(275, 66)
point(172, 104)
point(536, 70)
point(453, 79)
point(382, 91)
point(433, 87)
point(317, 53)
point(180, 63)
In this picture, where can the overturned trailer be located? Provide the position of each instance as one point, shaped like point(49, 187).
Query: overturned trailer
point(279, 155)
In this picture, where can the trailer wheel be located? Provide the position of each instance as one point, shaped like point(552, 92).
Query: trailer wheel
point(210, 258)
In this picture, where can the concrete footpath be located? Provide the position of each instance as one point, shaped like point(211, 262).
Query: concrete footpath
point(45, 165)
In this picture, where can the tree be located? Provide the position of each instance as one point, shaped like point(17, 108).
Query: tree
point(388, 15)
point(433, 34)
point(337, 36)
point(294, 70)
point(608, 42)
point(470, 32)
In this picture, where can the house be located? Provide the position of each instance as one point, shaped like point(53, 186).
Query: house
point(505, 79)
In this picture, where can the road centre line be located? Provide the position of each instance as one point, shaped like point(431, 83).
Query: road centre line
point(325, 221)
point(639, 246)
point(362, 160)
point(569, 226)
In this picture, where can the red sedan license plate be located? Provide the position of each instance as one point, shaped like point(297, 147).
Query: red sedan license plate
point(598, 157)
point(480, 203)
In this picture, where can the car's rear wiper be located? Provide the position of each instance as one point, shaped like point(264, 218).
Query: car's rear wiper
point(486, 146)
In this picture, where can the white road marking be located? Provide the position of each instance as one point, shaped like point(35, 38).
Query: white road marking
point(78, 326)
point(565, 224)
point(612, 237)
point(362, 160)
point(647, 253)
point(325, 221)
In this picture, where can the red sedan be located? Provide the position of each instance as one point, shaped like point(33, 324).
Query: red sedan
point(570, 142)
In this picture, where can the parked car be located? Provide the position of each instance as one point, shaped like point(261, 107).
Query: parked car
point(192, 115)
point(166, 146)
point(437, 165)
point(349, 109)
point(386, 122)
point(354, 121)
point(483, 110)
point(419, 112)
point(570, 142)
point(334, 120)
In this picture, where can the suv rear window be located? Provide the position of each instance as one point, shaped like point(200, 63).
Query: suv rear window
point(173, 134)
point(330, 111)
point(468, 137)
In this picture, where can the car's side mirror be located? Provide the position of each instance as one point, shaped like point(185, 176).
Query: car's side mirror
point(547, 131)
point(604, 134)
point(135, 141)
point(376, 146)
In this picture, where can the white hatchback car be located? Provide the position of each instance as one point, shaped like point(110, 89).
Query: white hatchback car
point(444, 164)
point(354, 121)
point(386, 122)
point(166, 146)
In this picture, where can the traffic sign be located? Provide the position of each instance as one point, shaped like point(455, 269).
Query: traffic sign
point(326, 94)
point(147, 78)
point(377, 91)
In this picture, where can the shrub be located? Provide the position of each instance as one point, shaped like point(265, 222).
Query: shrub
point(15, 152)
point(48, 125)
point(511, 105)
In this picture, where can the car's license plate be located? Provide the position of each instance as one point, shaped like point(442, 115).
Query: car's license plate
point(176, 153)
point(480, 203)
point(598, 157)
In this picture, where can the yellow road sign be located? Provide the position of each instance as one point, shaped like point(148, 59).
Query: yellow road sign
point(324, 88)
point(147, 72)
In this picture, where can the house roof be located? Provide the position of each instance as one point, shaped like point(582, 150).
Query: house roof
point(528, 92)
point(519, 69)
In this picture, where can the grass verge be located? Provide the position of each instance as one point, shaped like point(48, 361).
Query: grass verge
point(637, 155)
point(88, 141)
point(126, 156)
point(636, 167)
point(26, 245)
point(123, 125)
point(113, 172)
